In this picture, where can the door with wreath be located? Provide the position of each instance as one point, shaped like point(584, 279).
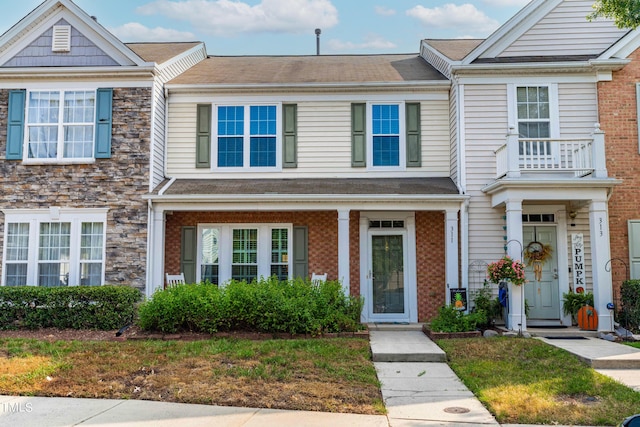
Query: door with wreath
point(542, 291)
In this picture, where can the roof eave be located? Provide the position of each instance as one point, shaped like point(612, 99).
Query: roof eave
point(432, 84)
point(277, 197)
point(147, 72)
point(551, 67)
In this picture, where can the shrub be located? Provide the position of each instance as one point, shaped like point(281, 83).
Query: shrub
point(76, 307)
point(483, 300)
point(629, 314)
point(268, 305)
point(451, 320)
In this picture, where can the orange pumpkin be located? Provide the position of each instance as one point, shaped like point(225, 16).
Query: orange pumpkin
point(588, 318)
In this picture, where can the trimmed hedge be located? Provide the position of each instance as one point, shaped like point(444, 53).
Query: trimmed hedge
point(629, 314)
point(271, 306)
point(75, 307)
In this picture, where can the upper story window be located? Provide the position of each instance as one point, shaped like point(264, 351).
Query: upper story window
point(534, 120)
point(247, 136)
point(60, 124)
point(385, 123)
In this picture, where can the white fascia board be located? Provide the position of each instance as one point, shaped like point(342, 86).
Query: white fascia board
point(369, 86)
point(62, 211)
point(171, 61)
point(249, 206)
point(211, 97)
point(79, 19)
point(426, 46)
point(119, 75)
point(551, 187)
point(623, 47)
point(514, 28)
point(302, 198)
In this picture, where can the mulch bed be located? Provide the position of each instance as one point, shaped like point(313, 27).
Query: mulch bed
point(135, 333)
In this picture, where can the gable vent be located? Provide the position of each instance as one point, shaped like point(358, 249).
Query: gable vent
point(61, 40)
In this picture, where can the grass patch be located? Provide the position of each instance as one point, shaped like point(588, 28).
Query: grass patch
point(635, 344)
point(525, 381)
point(278, 374)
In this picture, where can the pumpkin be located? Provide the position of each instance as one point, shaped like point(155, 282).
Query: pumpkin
point(588, 318)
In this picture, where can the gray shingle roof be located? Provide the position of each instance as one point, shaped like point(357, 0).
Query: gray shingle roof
point(309, 69)
point(160, 52)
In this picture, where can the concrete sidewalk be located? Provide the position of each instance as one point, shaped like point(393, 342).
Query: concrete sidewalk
point(63, 412)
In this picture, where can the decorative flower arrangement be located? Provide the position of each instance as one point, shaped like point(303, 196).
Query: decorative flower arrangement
point(507, 269)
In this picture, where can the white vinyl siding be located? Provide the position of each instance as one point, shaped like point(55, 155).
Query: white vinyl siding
point(566, 31)
point(324, 142)
point(578, 108)
point(453, 126)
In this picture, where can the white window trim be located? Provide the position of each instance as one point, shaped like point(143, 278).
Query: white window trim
point(58, 160)
point(36, 216)
point(246, 152)
point(554, 109)
point(225, 248)
point(402, 140)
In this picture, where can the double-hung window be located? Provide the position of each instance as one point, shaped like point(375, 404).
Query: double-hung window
point(60, 124)
point(243, 252)
point(534, 120)
point(54, 249)
point(387, 139)
point(247, 136)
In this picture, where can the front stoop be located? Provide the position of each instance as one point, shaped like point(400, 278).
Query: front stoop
point(404, 346)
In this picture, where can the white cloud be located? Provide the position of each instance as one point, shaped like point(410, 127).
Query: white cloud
point(371, 41)
point(506, 3)
point(453, 16)
point(134, 31)
point(228, 18)
point(384, 11)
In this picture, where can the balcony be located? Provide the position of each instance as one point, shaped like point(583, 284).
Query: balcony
point(570, 157)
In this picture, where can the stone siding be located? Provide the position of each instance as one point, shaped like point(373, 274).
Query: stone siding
point(117, 183)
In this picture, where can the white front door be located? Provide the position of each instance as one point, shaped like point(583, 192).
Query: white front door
point(388, 297)
point(541, 292)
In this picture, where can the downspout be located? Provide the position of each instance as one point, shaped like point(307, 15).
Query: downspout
point(150, 265)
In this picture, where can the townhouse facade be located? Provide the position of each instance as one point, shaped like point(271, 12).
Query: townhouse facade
point(81, 142)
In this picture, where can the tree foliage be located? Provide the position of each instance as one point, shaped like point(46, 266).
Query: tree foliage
point(625, 13)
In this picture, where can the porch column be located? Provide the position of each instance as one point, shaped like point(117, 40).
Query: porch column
point(343, 250)
point(598, 153)
point(600, 255)
point(513, 153)
point(156, 252)
point(451, 251)
point(516, 320)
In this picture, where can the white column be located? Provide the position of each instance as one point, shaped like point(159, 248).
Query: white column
point(156, 254)
point(513, 153)
point(343, 249)
point(598, 153)
point(516, 320)
point(600, 255)
point(451, 251)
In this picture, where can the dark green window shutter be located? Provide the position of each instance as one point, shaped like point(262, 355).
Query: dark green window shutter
point(290, 137)
point(104, 103)
point(15, 125)
point(203, 137)
point(414, 151)
point(300, 252)
point(188, 249)
point(358, 135)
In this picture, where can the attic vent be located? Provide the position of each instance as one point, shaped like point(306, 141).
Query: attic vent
point(61, 38)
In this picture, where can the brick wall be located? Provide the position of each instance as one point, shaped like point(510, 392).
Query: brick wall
point(323, 246)
point(617, 106)
point(117, 183)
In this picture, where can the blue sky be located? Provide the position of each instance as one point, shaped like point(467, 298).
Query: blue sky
point(286, 27)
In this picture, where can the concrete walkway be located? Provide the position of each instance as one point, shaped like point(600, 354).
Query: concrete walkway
point(418, 387)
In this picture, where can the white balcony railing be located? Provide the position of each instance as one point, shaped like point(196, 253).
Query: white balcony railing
point(577, 156)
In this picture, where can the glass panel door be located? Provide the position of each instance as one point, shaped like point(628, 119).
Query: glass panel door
point(387, 261)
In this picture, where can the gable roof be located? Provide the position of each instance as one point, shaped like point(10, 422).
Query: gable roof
point(51, 11)
point(454, 49)
point(161, 52)
point(329, 69)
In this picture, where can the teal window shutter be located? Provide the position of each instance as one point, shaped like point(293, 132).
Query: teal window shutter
point(203, 136)
point(358, 135)
point(300, 252)
point(188, 249)
point(15, 125)
point(289, 137)
point(104, 102)
point(414, 144)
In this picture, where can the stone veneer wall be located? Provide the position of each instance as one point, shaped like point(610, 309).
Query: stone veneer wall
point(117, 183)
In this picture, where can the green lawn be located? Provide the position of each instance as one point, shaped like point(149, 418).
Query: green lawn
point(526, 381)
point(334, 375)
